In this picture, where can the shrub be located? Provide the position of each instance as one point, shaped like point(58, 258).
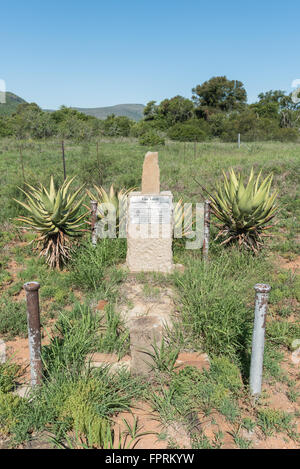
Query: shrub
point(249, 125)
point(117, 126)
point(141, 128)
point(151, 138)
point(286, 135)
point(187, 132)
point(217, 123)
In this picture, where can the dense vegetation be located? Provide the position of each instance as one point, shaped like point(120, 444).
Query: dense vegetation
point(218, 109)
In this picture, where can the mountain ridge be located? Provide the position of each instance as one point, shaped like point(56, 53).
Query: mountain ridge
point(133, 111)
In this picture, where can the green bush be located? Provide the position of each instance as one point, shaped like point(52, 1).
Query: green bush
point(151, 138)
point(117, 126)
point(187, 132)
point(286, 135)
point(141, 128)
point(249, 125)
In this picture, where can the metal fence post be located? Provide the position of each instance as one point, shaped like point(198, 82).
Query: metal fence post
point(239, 140)
point(94, 206)
point(63, 158)
point(34, 331)
point(258, 338)
point(206, 229)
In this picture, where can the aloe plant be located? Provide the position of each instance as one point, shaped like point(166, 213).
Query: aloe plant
point(244, 211)
point(183, 218)
point(117, 199)
point(55, 216)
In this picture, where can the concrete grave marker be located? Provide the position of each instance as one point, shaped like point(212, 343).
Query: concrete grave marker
point(150, 223)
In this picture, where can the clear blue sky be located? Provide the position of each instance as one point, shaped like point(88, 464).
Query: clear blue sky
point(99, 53)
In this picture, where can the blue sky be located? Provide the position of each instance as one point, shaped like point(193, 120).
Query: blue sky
point(100, 53)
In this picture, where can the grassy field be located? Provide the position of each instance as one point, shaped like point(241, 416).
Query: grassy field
point(216, 304)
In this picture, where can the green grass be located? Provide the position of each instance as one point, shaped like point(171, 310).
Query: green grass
point(72, 397)
point(271, 420)
point(272, 358)
point(76, 337)
point(13, 319)
point(89, 265)
point(191, 390)
point(217, 301)
point(114, 337)
point(9, 373)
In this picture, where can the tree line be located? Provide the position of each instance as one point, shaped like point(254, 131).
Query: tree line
point(217, 109)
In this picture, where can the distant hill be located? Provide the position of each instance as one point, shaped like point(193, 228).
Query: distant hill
point(12, 102)
point(133, 111)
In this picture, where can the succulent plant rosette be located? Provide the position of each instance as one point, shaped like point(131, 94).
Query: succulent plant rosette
point(245, 212)
point(118, 199)
point(183, 218)
point(56, 217)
